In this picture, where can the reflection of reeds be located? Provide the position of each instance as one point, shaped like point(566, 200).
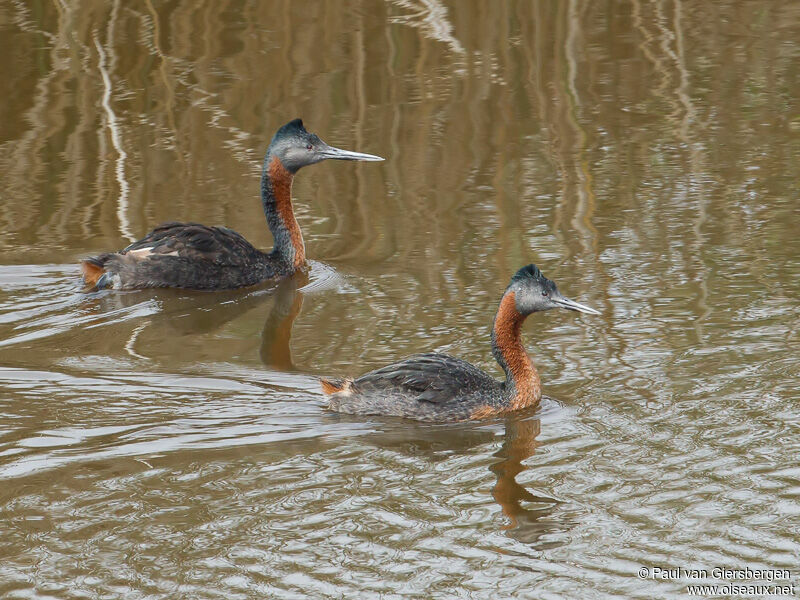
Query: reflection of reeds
point(584, 211)
point(432, 18)
point(116, 141)
point(167, 81)
point(696, 165)
point(492, 117)
point(22, 163)
point(669, 60)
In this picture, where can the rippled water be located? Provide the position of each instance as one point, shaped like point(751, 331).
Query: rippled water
point(175, 444)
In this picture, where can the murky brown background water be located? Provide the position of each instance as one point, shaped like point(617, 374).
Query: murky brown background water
point(170, 444)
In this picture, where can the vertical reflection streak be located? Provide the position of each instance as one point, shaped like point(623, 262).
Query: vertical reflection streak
point(695, 161)
point(360, 108)
point(129, 345)
point(22, 158)
point(648, 39)
point(586, 202)
point(169, 88)
point(554, 119)
point(116, 141)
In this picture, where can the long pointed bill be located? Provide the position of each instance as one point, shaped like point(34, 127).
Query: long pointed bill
point(572, 305)
point(338, 154)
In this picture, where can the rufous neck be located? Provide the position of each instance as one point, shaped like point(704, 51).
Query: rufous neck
point(276, 196)
point(521, 377)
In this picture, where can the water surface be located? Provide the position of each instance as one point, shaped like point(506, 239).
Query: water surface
point(175, 444)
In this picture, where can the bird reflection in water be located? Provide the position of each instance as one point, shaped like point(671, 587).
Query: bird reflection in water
point(177, 323)
point(535, 520)
point(527, 524)
point(276, 335)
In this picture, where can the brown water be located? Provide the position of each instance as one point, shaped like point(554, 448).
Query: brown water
point(172, 444)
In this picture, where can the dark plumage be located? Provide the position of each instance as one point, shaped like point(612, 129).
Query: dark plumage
point(438, 387)
point(188, 255)
point(194, 256)
point(426, 387)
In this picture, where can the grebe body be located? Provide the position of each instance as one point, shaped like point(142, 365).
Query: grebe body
point(437, 387)
point(194, 256)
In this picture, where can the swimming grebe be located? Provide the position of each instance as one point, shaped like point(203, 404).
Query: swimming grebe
point(438, 387)
point(193, 256)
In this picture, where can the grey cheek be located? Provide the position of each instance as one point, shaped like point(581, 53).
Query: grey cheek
point(525, 303)
point(291, 156)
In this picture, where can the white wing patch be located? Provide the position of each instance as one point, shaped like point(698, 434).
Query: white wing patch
point(143, 253)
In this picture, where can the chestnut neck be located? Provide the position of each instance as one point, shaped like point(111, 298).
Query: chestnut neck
point(522, 380)
point(276, 197)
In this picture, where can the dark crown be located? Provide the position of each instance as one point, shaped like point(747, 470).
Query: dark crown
point(294, 127)
point(526, 273)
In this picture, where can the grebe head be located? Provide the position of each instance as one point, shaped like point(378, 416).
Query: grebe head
point(534, 292)
point(295, 148)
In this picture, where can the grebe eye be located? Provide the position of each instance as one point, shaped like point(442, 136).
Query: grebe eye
point(309, 147)
point(544, 293)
